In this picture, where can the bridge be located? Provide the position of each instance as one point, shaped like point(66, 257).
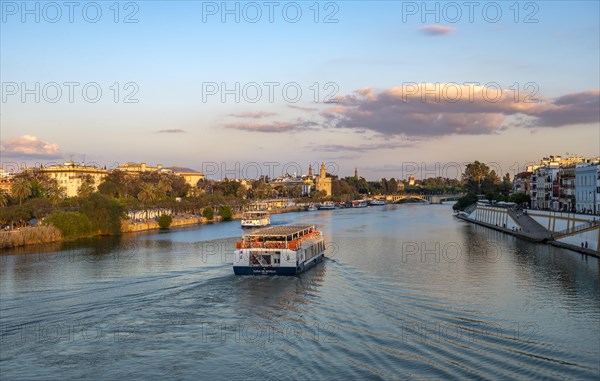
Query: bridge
point(430, 198)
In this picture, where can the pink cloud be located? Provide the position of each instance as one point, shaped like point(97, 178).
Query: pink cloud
point(436, 30)
point(447, 109)
point(297, 125)
point(30, 146)
point(254, 115)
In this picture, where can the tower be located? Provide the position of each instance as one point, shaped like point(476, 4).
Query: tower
point(323, 182)
point(310, 171)
point(356, 173)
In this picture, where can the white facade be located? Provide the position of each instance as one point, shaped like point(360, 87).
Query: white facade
point(542, 182)
point(587, 188)
point(70, 176)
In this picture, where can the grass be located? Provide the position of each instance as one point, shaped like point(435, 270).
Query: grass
point(28, 236)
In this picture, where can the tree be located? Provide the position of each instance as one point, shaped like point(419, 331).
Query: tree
point(520, 198)
point(148, 193)
point(71, 224)
point(109, 188)
point(164, 221)
point(230, 188)
point(104, 213)
point(119, 184)
point(208, 213)
point(392, 186)
point(226, 213)
point(506, 185)
point(87, 186)
point(261, 190)
point(55, 194)
point(21, 189)
point(479, 179)
point(165, 185)
point(3, 198)
point(466, 200)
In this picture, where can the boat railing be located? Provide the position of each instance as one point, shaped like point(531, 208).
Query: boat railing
point(292, 245)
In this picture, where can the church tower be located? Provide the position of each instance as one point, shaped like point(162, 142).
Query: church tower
point(310, 171)
point(356, 173)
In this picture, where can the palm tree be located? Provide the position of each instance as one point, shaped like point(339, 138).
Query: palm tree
point(21, 189)
point(165, 185)
point(3, 198)
point(55, 194)
point(148, 194)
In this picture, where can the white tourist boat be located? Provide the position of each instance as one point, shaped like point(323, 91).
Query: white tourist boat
point(359, 203)
point(377, 202)
point(326, 205)
point(312, 208)
point(256, 219)
point(279, 250)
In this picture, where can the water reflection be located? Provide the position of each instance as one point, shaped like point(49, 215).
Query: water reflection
point(407, 292)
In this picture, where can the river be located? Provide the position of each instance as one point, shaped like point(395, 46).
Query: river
point(407, 292)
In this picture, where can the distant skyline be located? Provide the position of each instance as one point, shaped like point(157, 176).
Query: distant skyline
point(394, 86)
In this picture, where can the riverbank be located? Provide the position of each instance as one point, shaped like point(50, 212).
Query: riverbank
point(518, 234)
point(29, 236)
point(48, 234)
point(528, 226)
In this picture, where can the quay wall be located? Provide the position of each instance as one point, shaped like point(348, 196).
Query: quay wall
point(494, 216)
point(499, 218)
point(592, 237)
point(557, 221)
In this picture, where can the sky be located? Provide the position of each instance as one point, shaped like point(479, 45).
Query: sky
point(242, 89)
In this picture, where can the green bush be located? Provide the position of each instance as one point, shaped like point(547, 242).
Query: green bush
point(226, 213)
point(208, 213)
point(164, 221)
point(104, 213)
point(71, 224)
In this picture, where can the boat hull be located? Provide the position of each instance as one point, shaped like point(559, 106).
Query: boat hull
point(284, 271)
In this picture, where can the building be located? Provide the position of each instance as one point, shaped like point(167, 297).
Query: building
point(566, 180)
point(544, 183)
point(322, 182)
point(131, 167)
point(587, 188)
point(292, 181)
point(6, 181)
point(191, 176)
point(522, 183)
point(545, 188)
point(70, 176)
point(411, 180)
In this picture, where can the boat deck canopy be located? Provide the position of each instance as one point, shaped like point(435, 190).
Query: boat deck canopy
point(282, 231)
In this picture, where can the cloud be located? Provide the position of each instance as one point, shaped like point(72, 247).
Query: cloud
point(254, 115)
point(274, 127)
point(31, 147)
point(308, 109)
point(172, 131)
point(436, 30)
point(579, 108)
point(424, 110)
point(361, 147)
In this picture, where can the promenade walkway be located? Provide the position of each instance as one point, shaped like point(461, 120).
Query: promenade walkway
point(529, 226)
